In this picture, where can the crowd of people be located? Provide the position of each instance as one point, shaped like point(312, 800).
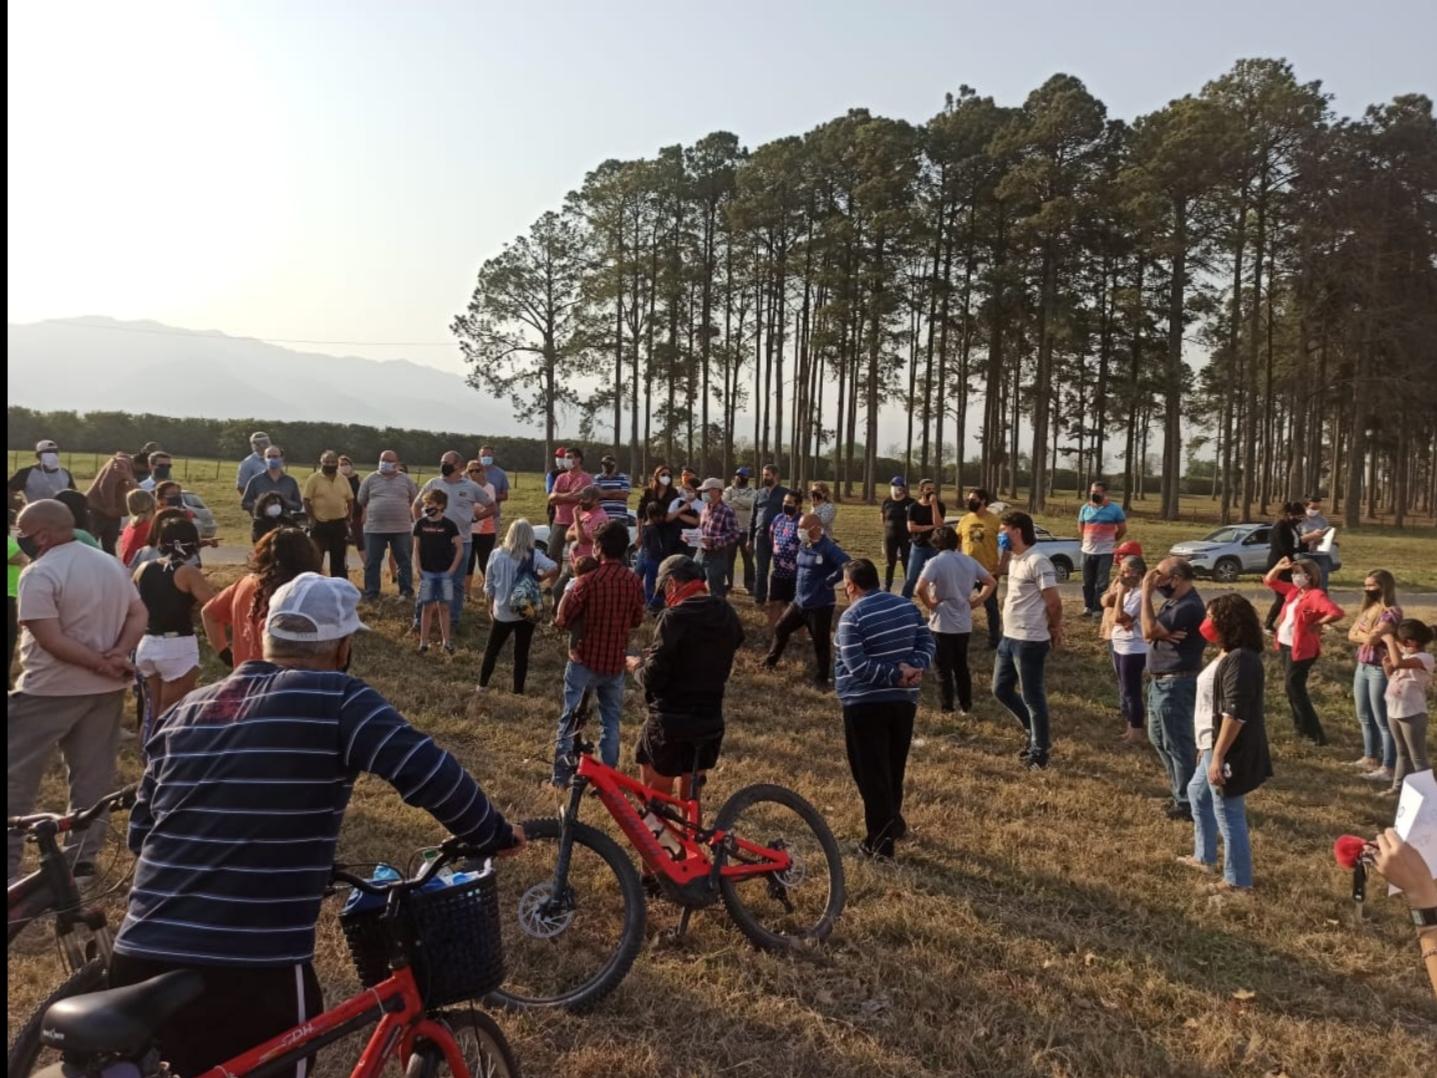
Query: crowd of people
point(102, 602)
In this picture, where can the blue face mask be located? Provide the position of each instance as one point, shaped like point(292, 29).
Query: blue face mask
point(274, 464)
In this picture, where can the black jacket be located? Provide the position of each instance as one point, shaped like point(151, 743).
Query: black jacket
point(685, 669)
point(1238, 691)
point(1282, 542)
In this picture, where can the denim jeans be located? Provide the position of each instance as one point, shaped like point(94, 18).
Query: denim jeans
point(647, 570)
point(1171, 703)
point(918, 557)
point(1129, 669)
point(763, 559)
point(1214, 813)
point(1096, 570)
point(375, 544)
point(456, 598)
point(1369, 688)
point(609, 689)
point(1324, 566)
point(715, 565)
point(1022, 661)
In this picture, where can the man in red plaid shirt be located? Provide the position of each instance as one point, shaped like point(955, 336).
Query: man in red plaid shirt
point(718, 533)
point(604, 607)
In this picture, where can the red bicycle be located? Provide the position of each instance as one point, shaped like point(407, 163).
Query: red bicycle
point(422, 949)
point(580, 907)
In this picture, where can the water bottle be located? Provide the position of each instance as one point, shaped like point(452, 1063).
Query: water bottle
point(446, 874)
point(359, 901)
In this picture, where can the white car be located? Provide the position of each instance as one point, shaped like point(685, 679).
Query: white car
point(541, 538)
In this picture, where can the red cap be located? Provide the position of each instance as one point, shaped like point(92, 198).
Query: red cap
point(1125, 549)
point(560, 451)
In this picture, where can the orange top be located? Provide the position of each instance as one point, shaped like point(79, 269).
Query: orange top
point(231, 607)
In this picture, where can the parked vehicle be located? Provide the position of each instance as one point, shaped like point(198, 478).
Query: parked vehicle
point(204, 515)
point(1232, 550)
point(1065, 554)
point(541, 539)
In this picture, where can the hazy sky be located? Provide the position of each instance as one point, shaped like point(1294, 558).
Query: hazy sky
point(336, 171)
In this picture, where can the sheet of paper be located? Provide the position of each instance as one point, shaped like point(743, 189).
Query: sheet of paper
point(1416, 820)
point(1328, 540)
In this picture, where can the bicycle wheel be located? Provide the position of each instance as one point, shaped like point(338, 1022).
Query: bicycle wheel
point(781, 910)
point(25, 1054)
point(485, 1049)
point(572, 949)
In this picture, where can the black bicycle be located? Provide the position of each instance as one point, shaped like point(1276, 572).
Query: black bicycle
point(82, 931)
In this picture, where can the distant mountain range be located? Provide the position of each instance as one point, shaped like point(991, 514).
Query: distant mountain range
point(101, 364)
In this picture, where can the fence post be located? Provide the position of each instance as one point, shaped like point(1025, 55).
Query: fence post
point(187, 469)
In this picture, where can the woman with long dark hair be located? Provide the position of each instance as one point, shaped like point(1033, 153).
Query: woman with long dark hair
point(234, 619)
point(168, 656)
point(1305, 610)
point(1231, 736)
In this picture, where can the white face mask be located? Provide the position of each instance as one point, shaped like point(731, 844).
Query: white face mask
point(49, 461)
point(1313, 511)
point(486, 461)
point(665, 480)
point(559, 462)
point(1300, 580)
point(273, 509)
point(387, 467)
point(897, 493)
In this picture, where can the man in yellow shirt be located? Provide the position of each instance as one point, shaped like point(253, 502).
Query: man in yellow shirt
point(978, 530)
point(328, 500)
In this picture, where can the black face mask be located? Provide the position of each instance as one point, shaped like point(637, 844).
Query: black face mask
point(27, 546)
point(974, 505)
point(329, 469)
point(1373, 593)
point(447, 469)
point(790, 510)
point(175, 500)
point(1167, 590)
point(1096, 499)
point(161, 472)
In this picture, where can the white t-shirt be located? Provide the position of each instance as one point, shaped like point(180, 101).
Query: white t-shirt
point(1202, 710)
point(1025, 615)
point(954, 576)
point(90, 593)
point(1284, 627)
point(1406, 689)
point(1130, 641)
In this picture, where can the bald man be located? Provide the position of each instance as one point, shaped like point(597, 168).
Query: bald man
point(80, 617)
point(820, 568)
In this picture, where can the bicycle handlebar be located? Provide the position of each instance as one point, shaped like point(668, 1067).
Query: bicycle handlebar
point(450, 850)
point(77, 821)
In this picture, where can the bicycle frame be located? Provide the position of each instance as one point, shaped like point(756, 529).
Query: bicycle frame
point(51, 887)
point(397, 1005)
point(706, 851)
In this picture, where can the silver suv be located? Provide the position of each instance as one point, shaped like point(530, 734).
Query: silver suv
point(1230, 551)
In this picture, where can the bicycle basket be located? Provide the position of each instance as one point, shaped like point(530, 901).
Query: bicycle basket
point(451, 935)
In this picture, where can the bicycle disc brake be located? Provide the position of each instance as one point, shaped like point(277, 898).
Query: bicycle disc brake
point(543, 916)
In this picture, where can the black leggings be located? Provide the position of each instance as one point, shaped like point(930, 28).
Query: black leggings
point(1304, 715)
point(952, 659)
point(499, 632)
point(819, 621)
point(480, 547)
point(895, 552)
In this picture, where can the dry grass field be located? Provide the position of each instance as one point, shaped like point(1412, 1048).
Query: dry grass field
point(1034, 924)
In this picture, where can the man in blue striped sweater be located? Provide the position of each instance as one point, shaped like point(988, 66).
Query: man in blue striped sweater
point(238, 817)
point(883, 649)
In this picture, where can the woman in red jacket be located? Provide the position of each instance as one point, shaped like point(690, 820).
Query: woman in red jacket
point(1305, 610)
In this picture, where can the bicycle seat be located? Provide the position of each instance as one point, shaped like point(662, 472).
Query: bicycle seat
point(120, 1020)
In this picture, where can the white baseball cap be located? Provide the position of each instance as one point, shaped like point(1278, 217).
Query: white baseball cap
point(711, 484)
point(328, 603)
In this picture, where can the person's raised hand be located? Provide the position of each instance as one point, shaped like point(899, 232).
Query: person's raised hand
point(1403, 867)
point(1150, 579)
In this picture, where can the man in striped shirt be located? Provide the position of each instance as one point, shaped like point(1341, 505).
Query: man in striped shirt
point(883, 649)
point(238, 818)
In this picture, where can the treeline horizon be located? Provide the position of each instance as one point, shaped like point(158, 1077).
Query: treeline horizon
point(101, 433)
point(1046, 262)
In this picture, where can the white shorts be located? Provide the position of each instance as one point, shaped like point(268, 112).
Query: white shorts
point(171, 657)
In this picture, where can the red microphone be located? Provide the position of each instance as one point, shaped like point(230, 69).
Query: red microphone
point(1353, 853)
point(1348, 850)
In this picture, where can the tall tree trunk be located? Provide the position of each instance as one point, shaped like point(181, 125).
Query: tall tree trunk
point(1172, 426)
point(1042, 382)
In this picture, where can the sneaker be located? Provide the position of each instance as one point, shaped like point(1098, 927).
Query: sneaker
point(1025, 752)
point(1038, 761)
point(873, 853)
point(1382, 774)
point(1365, 763)
point(1189, 861)
point(449, 647)
point(1087, 613)
point(1178, 812)
point(423, 648)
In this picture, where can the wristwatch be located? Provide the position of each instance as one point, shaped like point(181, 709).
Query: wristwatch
point(1424, 918)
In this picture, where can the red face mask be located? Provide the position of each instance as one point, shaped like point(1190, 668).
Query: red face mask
point(1209, 632)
